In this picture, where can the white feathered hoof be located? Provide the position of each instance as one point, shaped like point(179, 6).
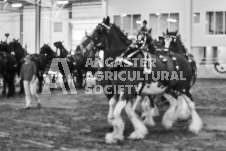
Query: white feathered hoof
point(137, 135)
point(149, 121)
point(196, 123)
point(167, 121)
point(110, 139)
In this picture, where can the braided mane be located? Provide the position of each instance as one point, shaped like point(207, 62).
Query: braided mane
point(121, 33)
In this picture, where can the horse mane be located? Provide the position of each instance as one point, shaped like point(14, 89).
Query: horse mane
point(179, 42)
point(121, 33)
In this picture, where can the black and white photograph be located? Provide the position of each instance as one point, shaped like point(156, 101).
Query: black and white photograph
point(112, 75)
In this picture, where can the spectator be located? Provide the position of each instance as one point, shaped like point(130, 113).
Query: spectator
point(28, 74)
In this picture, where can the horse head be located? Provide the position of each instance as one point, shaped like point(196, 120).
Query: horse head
point(16, 49)
point(172, 41)
point(109, 38)
point(47, 51)
point(58, 44)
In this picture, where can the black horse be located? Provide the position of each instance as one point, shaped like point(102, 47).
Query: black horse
point(108, 37)
point(76, 62)
point(42, 61)
point(85, 52)
point(7, 71)
point(4, 46)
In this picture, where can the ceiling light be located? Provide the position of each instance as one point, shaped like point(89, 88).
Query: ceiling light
point(139, 22)
point(16, 5)
point(123, 15)
point(158, 14)
point(60, 2)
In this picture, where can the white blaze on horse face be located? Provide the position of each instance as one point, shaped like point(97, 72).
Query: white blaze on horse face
point(153, 88)
point(101, 56)
point(167, 41)
point(58, 52)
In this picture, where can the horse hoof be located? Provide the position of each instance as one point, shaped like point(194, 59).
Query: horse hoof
point(136, 135)
point(109, 138)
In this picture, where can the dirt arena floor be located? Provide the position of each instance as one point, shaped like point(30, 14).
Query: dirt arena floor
point(79, 122)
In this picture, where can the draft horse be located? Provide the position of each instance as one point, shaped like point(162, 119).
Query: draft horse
point(110, 39)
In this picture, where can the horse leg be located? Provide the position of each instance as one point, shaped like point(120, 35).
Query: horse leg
point(169, 116)
point(196, 122)
point(40, 82)
point(4, 85)
point(13, 85)
point(150, 110)
point(117, 122)
point(182, 111)
point(140, 131)
point(112, 104)
point(79, 79)
point(138, 99)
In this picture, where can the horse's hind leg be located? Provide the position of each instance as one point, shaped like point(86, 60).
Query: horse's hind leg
point(169, 117)
point(196, 122)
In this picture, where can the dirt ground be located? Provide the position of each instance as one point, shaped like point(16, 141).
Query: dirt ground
point(79, 122)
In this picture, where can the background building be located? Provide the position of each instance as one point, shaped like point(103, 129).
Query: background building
point(201, 23)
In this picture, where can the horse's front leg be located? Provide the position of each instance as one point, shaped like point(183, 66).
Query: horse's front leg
point(112, 104)
point(4, 85)
point(116, 121)
point(140, 131)
point(149, 111)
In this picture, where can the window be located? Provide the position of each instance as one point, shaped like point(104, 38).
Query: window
point(57, 26)
point(136, 24)
point(219, 23)
point(196, 17)
point(117, 20)
point(153, 23)
point(130, 23)
point(215, 23)
point(126, 23)
point(160, 22)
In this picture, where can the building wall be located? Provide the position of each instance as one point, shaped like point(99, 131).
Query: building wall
point(9, 23)
point(85, 17)
point(199, 37)
point(147, 7)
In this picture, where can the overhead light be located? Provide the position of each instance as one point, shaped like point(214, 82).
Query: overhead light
point(60, 2)
point(5, 0)
point(171, 20)
point(16, 5)
point(139, 22)
point(158, 14)
point(123, 15)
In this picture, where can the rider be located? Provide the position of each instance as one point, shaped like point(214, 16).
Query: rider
point(144, 28)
